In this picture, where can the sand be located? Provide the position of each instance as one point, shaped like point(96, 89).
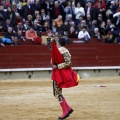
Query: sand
point(92, 99)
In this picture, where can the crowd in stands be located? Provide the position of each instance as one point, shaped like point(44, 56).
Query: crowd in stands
point(82, 19)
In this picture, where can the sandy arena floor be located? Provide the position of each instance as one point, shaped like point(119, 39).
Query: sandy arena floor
point(33, 100)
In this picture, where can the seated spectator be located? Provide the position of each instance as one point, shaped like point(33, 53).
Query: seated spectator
point(83, 34)
point(79, 21)
point(118, 39)
point(108, 39)
point(18, 18)
point(92, 27)
point(20, 36)
point(48, 20)
point(19, 27)
point(30, 20)
point(97, 34)
point(37, 28)
point(6, 25)
point(54, 27)
point(110, 26)
point(43, 16)
point(38, 19)
point(26, 25)
point(35, 14)
point(65, 27)
point(102, 29)
point(72, 33)
point(9, 38)
point(89, 21)
point(99, 19)
point(83, 23)
point(72, 24)
point(45, 27)
point(69, 18)
point(32, 35)
point(10, 14)
point(59, 21)
point(109, 15)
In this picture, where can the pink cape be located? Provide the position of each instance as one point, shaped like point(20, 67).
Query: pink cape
point(66, 77)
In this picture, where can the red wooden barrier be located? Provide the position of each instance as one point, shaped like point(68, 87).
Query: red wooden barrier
point(38, 56)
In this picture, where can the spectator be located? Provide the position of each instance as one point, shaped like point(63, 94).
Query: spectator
point(2, 12)
point(69, 9)
point(10, 14)
point(37, 5)
point(89, 21)
point(110, 26)
point(79, 21)
point(18, 18)
point(100, 7)
point(108, 39)
point(6, 25)
point(89, 10)
point(20, 36)
point(59, 21)
point(35, 14)
point(112, 7)
point(72, 33)
point(27, 9)
point(19, 27)
point(69, 18)
point(32, 35)
point(102, 29)
point(83, 23)
point(46, 6)
point(54, 27)
point(65, 27)
point(38, 19)
point(57, 10)
point(99, 19)
point(9, 38)
point(45, 27)
point(118, 39)
point(83, 34)
point(78, 11)
point(109, 15)
point(43, 16)
point(97, 34)
point(30, 20)
point(37, 28)
point(26, 25)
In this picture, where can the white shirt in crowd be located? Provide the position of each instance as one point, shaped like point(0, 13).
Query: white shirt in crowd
point(82, 34)
point(78, 12)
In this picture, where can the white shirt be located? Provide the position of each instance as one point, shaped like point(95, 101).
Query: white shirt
point(82, 34)
point(82, 12)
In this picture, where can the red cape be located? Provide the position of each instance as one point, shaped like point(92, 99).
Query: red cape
point(66, 77)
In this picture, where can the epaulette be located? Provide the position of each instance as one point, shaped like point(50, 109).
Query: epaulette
point(63, 50)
